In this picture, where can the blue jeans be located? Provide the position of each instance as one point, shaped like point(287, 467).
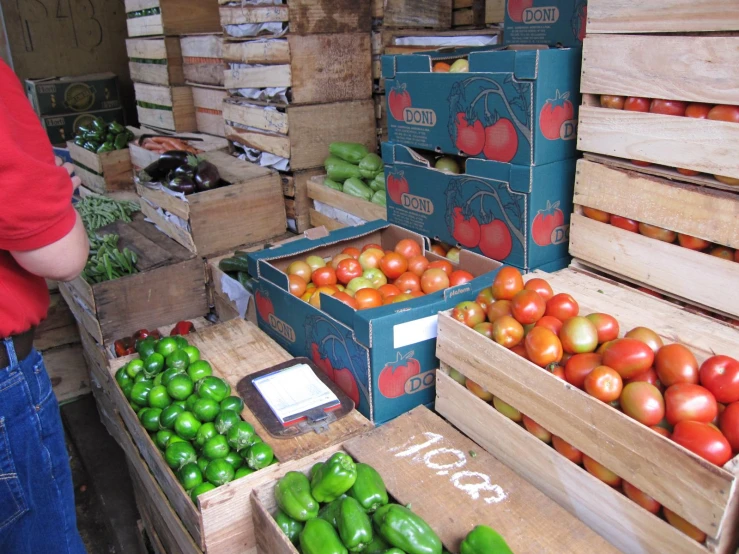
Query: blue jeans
point(37, 512)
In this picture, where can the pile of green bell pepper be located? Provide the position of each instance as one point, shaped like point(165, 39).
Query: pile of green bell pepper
point(350, 168)
point(102, 137)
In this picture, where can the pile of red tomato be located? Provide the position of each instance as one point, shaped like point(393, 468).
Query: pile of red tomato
point(679, 108)
point(659, 385)
point(373, 277)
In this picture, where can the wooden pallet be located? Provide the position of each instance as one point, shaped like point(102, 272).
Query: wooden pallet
point(176, 17)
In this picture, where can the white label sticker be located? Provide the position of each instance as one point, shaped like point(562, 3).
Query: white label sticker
point(418, 330)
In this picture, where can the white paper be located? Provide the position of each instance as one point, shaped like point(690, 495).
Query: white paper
point(274, 28)
point(337, 214)
point(264, 159)
point(405, 334)
point(236, 293)
point(442, 41)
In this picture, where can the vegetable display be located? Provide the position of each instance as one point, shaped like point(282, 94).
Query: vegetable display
point(181, 171)
point(351, 169)
point(662, 386)
point(98, 211)
point(126, 346)
point(190, 414)
point(100, 137)
point(106, 261)
point(161, 144)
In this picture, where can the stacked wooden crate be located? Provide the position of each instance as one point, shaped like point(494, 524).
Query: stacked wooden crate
point(204, 69)
point(631, 157)
point(468, 14)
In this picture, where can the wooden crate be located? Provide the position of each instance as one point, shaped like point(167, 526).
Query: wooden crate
point(697, 211)
point(157, 60)
point(175, 17)
point(317, 68)
point(170, 286)
point(666, 16)
point(102, 173)
point(244, 212)
point(222, 523)
point(494, 11)
point(67, 370)
point(295, 192)
point(202, 59)
point(300, 133)
point(173, 111)
point(700, 492)
point(317, 191)
point(436, 14)
point(208, 103)
point(59, 327)
point(302, 17)
point(468, 13)
point(141, 157)
point(462, 487)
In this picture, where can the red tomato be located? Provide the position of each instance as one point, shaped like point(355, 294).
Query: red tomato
point(647, 336)
point(408, 248)
point(446, 266)
point(368, 298)
point(485, 298)
point(537, 430)
point(478, 391)
point(722, 252)
point(637, 104)
point(689, 402)
point(418, 264)
point(567, 450)
point(720, 375)
point(679, 523)
point(597, 215)
point(628, 357)
point(520, 349)
point(612, 102)
point(668, 107)
point(579, 367)
point(346, 299)
point(507, 283)
point(558, 370)
point(438, 249)
point(704, 440)
point(388, 290)
point(643, 402)
point(562, 306)
point(336, 260)
point(697, 110)
point(347, 270)
point(352, 251)
point(551, 323)
point(418, 294)
point(460, 277)
point(641, 498)
point(660, 430)
point(393, 265)
point(606, 326)
point(543, 347)
point(654, 232)
point(648, 376)
point(324, 276)
point(578, 335)
point(724, 113)
point(499, 308)
point(625, 224)
point(433, 280)
point(408, 282)
point(540, 286)
point(676, 364)
point(693, 243)
point(527, 306)
point(650, 292)
point(501, 141)
point(468, 313)
point(601, 472)
point(485, 328)
point(301, 269)
point(729, 424)
point(507, 331)
point(604, 384)
point(371, 245)
point(297, 285)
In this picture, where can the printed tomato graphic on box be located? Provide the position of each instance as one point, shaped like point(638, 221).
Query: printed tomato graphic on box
point(556, 116)
point(265, 308)
point(579, 19)
point(398, 100)
point(394, 378)
point(397, 186)
point(516, 7)
point(547, 225)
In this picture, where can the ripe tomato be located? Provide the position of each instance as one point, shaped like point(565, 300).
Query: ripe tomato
point(371, 258)
point(551, 323)
point(368, 298)
point(499, 308)
point(724, 113)
point(485, 328)
point(722, 252)
point(647, 336)
point(676, 364)
point(648, 376)
point(372, 245)
point(478, 391)
point(604, 384)
point(558, 370)
point(567, 450)
point(704, 440)
point(693, 243)
point(689, 402)
point(637, 104)
point(562, 306)
point(641, 498)
point(417, 265)
point(408, 248)
point(434, 279)
point(520, 349)
point(600, 471)
point(315, 262)
point(661, 430)
point(679, 523)
point(697, 110)
point(444, 265)
point(537, 430)
point(507, 283)
point(668, 107)
point(507, 331)
point(625, 224)
point(578, 335)
point(643, 402)
point(347, 270)
point(507, 410)
point(348, 300)
point(301, 269)
point(468, 313)
point(402, 297)
point(393, 265)
point(438, 249)
point(579, 367)
point(654, 232)
point(485, 298)
point(418, 294)
point(336, 260)
point(720, 375)
point(527, 306)
point(597, 215)
point(460, 277)
point(315, 299)
point(388, 290)
point(541, 287)
point(352, 251)
point(543, 347)
point(408, 282)
point(441, 67)
point(305, 297)
point(606, 326)
point(612, 102)
point(297, 285)
point(729, 424)
point(628, 357)
point(324, 276)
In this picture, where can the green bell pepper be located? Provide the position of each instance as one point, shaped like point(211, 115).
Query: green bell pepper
point(91, 146)
point(377, 545)
point(121, 141)
point(355, 187)
point(354, 525)
point(289, 526)
point(116, 128)
point(379, 198)
point(378, 183)
point(106, 147)
point(98, 125)
point(333, 478)
point(370, 166)
point(484, 540)
point(369, 488)
point(394, 551)
point(405, 530)
point(330, 511)
point(315, 468)
point(319, 537)
point(330, 183)
point(340, 170)
point(351, 152)
point(292, 494)
point(79, 141)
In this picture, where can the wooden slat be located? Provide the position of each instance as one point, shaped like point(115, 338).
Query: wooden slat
point(147, 48)
point(136, 5)
point(172, 230)
point(258, 77)
point(155, 74)
point(145, 26)
point(275, 51)
point(162, 119)
point(202, 46)
point(267, 142)
point(418, 13)
point(463, 17)
point(67, 370)
point(288, 185)
point(210, 123)
point(256, 116)
point(59, 327)
point(317, 219)
point(494, 11)
point(459, 4)
point(81, 310)
point(351, 204)
point(161, 96)
point(168, 202)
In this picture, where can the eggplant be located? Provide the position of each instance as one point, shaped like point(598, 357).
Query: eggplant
point(181, 184)
point(206, 176)
point(172, 159)
point(153, 172)
point(184, 171)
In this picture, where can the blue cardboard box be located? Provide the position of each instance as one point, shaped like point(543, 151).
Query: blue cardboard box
point(383, 358)
point(516, 214)
point(549, 22)
point(514, 105)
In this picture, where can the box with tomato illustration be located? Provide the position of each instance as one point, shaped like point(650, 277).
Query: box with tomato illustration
point(383, 358)
point(550, 22)
point(514, 105)
point(516, 214)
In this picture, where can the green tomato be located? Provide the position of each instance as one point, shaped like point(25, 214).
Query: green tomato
point(186, 425)
point(234, 459)
point(140, 392)
point(203, 463)
point(214, 388)
point(134, 367)
point(243, 471)
point(199, 369)
point(162, 438)
point(200, 489)
point(180, 403)
point(192, 352)
point(166, 346)
point(206, 409)
point(207, 431)
point(216, 447)
point(175, 439)
point(169, 415)
point(142, 376)
point(240, 436)
point(219, 472)
point(190, 402)
point(180, 387)
point(149, 418)
point(181, 342)
point(158, 397)
point(122, 377)
point(225, 420)
point(234, 403)
point(168, 374)
point(260, 455)
point(127, 388)
point(190, 476)
point(179, 454)
point(154, 364)
point(177, 359)
point(146, 347)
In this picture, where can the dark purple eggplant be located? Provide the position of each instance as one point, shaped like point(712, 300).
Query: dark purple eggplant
point(206, 176)
point(172, 159)
point(153, 172)
point(184, 171)
point(182, 184)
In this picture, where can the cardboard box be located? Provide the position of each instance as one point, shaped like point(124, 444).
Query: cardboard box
point(61, 128)
point(514, 105)
point(550, 22)
point(63, 95)
point(383, 358)
point(516, 214)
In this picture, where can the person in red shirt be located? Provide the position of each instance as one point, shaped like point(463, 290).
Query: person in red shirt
point(41, 237)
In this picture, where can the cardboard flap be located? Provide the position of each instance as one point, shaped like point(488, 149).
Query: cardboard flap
point(388, 66)
point(518, 177)
point(269, 272)
point(413, 63)
point(397, 153)
point(338, 310)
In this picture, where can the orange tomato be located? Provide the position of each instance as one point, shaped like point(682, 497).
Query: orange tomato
point(438, 249)
point(297, 284)
point(507, 331)
point(371, 258)
point(305, 297)
point(388, 290)
point(372, 245)
point(499, 308)
point(567, 450)
point(433, 280)
point(600, 471)
point(408, 248)
point(442, 264)
point(393, 265)
point(459, 277)
point(507, 283)
point(537, 430)
point(679, 523)
point(408, 282)
point(315, 299)
point(540, 286)
point(604, 383)
point(300, 268)
point(441, 67)
point(551, 323)
point(478, 391)
point(527, 306)
point(418, 264)
point(352, 251)
point(346, 299)
point(418, 293)
point(368, 298)
point(597, 215)
point(324, 276)
point(402, 297)
point(641, 498)
point(543, 347)
point(338, 259)
point(722, 252)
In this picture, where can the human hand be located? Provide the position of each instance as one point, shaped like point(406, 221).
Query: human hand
point(76, 182)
